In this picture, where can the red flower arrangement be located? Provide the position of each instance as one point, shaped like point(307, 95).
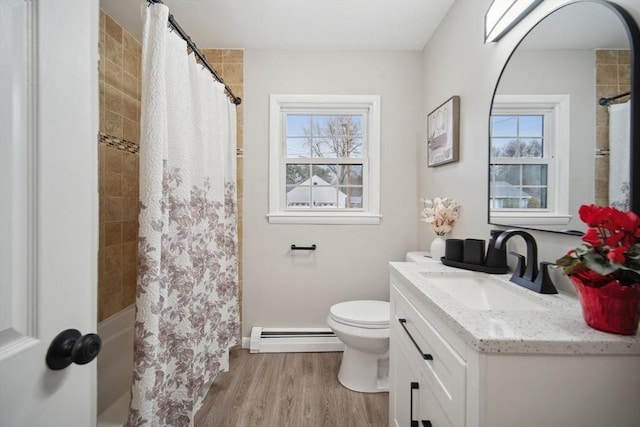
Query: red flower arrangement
point(611, 251)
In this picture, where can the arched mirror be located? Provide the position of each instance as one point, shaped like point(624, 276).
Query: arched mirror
point(552, 145)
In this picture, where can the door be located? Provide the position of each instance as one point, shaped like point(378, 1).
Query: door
point(48, 206)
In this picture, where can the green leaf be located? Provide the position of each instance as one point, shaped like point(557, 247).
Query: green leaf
point(599, 263)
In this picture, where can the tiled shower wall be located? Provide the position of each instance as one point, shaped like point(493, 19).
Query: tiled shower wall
point(613, 77)
point(120, 55)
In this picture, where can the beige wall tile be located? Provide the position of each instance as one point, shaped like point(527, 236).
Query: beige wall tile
point(111, 185)
point(129, 253)
point(130, 164)
point(110, 305)
point(234, 75)
point(624, 74)
point(606, 56)
point(231, 56)
point(606, 74)
point(112, 209)
point(129, 42)
point(113, 160)
point(130, 88)
point(112, 257)
point(113, 124)
point(131, 131)
point(129, 186)
point(113, 233)
point(112, 73)
point(112, 28)
point(113, 50)
point(113, 99)
point(130, 209)
point(213, 56)
point(130, 109)
point(624, 57)
point(130, 63)
point(130, 231)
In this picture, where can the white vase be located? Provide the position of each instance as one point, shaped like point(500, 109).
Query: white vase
point(437, 248)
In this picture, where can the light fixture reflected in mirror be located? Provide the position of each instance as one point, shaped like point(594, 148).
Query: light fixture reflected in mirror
point(504, 15)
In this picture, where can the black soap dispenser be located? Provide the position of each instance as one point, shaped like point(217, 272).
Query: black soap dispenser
point(496, 257)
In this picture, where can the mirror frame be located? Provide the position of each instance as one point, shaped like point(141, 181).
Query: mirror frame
point(633, 33)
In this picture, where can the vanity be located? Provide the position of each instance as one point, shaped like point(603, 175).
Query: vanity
point(471, 349)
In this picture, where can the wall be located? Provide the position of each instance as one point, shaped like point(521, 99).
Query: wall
point(471, 69)
point(280, 288)
point(120, 90)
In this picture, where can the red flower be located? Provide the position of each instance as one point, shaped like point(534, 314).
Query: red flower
point(616, 255)
point(592, 237)
point(593, 215)
point(612, 245)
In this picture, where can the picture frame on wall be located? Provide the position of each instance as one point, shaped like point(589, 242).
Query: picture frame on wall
point(443, 133)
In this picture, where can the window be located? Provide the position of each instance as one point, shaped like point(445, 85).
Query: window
point(528, 172)
point(324, 161)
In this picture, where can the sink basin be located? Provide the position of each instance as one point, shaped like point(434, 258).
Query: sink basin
point(481, 291)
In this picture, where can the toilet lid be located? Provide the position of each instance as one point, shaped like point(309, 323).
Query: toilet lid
point(365, 314)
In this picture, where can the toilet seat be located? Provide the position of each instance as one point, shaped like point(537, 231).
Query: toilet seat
point(368, 314)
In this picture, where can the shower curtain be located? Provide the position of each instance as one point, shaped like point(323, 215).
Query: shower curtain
point(619, 134)
point(187, 295)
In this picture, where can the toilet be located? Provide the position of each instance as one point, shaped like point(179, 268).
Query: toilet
point(363, 327)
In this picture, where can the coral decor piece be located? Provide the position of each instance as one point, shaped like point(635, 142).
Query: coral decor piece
point(605, 269)
point(441, 213)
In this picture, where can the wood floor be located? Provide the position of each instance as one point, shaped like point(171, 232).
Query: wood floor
point(288, 390)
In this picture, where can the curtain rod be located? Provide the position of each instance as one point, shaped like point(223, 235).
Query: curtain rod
point(605, 101)
point(195, 50)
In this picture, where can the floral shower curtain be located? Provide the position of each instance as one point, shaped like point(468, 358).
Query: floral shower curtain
point(187, 296)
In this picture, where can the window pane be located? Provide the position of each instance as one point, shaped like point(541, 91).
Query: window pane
point(298, 196)
point(534, 174)
point(504, 125)
point(537, 198)
point(325, 174)
point(504, 147)
point(298, 124)
point(324, 136)
point(297, 174)
point(298, 147)
point(353, 197)
point(327, 196)
point(507, 174)
point(530, 126)
point(531, 147)
point(350, 174)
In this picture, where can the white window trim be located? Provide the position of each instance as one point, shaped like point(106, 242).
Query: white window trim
point(558, 212)
point(370, 214)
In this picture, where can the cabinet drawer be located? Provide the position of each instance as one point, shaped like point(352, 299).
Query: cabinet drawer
point(443, 368)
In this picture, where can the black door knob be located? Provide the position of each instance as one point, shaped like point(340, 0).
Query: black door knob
point(70, 346)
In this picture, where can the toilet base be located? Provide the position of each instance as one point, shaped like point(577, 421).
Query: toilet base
point(364, 372)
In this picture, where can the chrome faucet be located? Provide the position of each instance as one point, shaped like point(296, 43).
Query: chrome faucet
point(526, 273)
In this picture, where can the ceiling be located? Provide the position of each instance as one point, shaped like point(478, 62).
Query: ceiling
point(346, 25)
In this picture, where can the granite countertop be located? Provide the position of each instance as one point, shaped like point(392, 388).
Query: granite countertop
point(556, 328)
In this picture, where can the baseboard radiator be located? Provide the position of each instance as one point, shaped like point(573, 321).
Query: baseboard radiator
point(293, 340)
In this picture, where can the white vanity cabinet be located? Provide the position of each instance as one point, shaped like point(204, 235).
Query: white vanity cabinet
point(427, 375)
point(443, 372)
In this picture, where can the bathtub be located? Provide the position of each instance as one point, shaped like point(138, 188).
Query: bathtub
point(115, 367)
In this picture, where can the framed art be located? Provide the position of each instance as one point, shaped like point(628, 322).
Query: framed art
point(443, 133)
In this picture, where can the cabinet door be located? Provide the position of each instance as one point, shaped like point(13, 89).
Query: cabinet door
point(404, 387)
point(431, 412)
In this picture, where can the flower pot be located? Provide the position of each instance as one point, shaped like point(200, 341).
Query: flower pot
point(610, 308)
point(437, 248)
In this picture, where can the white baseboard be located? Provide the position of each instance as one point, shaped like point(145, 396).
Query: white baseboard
point(291, 340)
